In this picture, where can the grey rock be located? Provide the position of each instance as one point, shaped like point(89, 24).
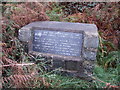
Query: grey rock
point(78, 66)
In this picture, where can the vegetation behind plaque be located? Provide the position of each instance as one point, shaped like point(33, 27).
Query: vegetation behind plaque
point(107, 69)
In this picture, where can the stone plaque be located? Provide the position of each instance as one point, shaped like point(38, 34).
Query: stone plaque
point(70, 46)
point(57, 42)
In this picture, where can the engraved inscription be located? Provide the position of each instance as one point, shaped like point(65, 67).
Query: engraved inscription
point(57, 42)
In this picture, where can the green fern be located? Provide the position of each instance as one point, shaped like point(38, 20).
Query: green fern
point(104, 57)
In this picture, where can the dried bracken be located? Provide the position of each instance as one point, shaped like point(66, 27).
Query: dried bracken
point(28, 12)
point(14, 72)
point(104, 15)
point(18, 77)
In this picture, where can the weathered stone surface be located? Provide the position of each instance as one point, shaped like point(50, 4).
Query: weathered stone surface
point(25, 34)
point(91, 41)
point(71, 65)
point(89, 55)
point(88, 66)
point(58, 63)
point(72, 46)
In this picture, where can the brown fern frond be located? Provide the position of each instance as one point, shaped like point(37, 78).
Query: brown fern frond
point(28, 12)
point(18, 81)
point(15, 69)
point(20, 77)
point(15, 74)
point(23, 64)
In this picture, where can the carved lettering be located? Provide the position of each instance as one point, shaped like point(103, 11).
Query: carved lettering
point(56, 42)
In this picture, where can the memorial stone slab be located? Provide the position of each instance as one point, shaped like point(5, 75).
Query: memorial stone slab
point(72, 46)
